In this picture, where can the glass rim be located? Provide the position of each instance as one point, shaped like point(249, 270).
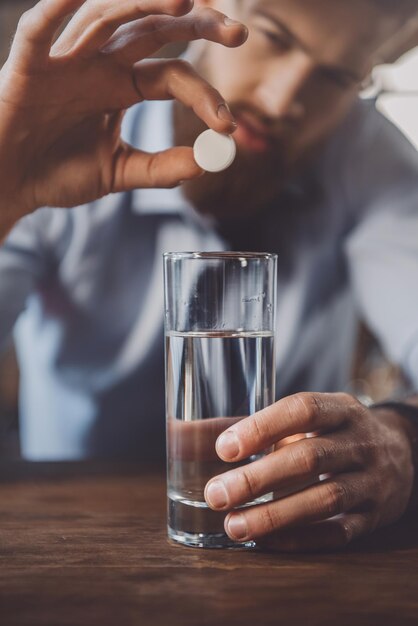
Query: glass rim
point(221, 255)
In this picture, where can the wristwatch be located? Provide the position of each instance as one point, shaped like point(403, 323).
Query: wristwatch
point(404, 409)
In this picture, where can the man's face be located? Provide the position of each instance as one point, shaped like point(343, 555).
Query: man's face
point(295, 78)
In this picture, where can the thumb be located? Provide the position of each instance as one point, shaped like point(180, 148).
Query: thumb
point(135, 169)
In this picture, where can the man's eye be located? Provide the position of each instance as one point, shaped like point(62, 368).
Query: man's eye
point(278, 42)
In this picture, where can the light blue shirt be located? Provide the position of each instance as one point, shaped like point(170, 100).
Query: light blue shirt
point(85, 287)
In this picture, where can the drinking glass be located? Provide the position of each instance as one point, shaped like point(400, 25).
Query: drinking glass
point(220, 368)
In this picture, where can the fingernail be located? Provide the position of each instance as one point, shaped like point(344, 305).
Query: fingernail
point(229, 22)
point(237, 527)
point(216, 495)
point(227, 445)
point(224, 113)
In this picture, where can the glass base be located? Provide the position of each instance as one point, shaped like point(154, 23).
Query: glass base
point(201, 540)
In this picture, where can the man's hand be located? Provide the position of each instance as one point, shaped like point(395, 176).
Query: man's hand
point(61, 104)
point(367, 455)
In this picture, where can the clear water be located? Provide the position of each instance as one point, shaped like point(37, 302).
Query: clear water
point(213, 380)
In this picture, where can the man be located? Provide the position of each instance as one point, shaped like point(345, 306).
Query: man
point(320, 178)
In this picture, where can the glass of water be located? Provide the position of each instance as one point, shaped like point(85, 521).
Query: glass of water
point(220, 368)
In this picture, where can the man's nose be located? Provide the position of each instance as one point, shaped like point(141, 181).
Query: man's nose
point(280, 92)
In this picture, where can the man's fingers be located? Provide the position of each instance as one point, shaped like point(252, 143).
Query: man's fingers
point(36, 31)
point(340, 494)
point(300, 413)
point(134, 168)
point(143, 38)
point(114, 89)
point(96, 22)
point(289, 468)
point(332, 534)
point(165, 80)
point(195, 440)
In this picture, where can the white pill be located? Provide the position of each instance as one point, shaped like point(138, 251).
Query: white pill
point(214, 151)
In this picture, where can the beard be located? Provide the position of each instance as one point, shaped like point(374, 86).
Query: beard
point(250, 184)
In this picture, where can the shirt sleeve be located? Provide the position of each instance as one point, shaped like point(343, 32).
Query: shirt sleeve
point(23, 263)
point(382, 250)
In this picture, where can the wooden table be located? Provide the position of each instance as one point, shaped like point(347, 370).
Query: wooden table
point(85, 545)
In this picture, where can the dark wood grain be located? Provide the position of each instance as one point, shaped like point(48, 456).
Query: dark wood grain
point(86, 545)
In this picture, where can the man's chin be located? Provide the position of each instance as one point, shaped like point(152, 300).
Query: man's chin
point(241, 191)
point(253, 180)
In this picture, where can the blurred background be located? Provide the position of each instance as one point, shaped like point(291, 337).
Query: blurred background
point(395, 85)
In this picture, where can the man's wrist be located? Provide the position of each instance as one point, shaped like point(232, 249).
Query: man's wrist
point(404, 417)
point(406, 409)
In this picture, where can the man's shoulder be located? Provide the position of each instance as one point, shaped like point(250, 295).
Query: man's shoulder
point(363, 130)
point(368, 158)
point(373, 126)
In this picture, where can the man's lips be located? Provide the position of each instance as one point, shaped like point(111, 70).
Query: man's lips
point(251, 134)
